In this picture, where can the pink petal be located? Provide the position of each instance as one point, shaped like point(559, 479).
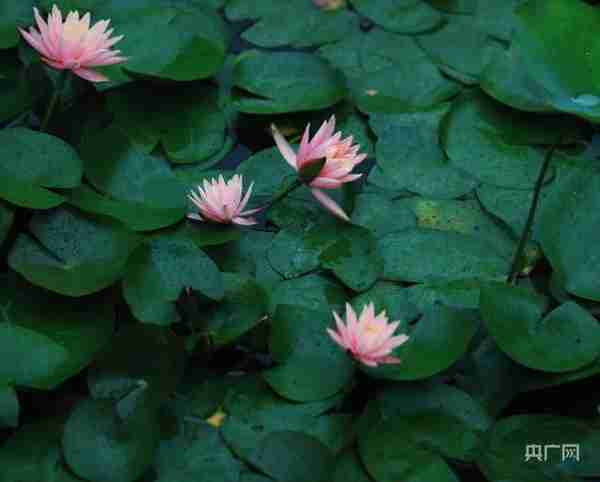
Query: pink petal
point(90, 75)
point(284, 147)
point(244, 221)
point(304, 150)
point(34, 39)
point(330, 204)
point(390, 360)
point(336, 338)
point(326, 183)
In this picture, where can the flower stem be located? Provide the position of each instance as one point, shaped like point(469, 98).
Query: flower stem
point(295, 185)
point(516, 262)
point(60, 85)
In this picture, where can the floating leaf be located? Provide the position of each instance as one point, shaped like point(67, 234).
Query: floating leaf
point(312, 367)
point(71, 253)
point(280, 82)
point(437, 340)
point(556, 39)
point(283, 455)
point(388, 73)
point(13, 13)
point(195, 452)
point(504, 457)
point(390, 454)
point(140, 356)
point(99, 446)
point(487, 140)
point(381, 215)
point(270, 31)
point(33, 453)
point(568, 234)
point(244, 305)
point(46, 339)
point(401, 16)
point(186, 121)
point(130, 177)
point(428, 255)
point(313, 292)
point(565, 339)
point(160, 270)
point(9, 407)
point(410, 157)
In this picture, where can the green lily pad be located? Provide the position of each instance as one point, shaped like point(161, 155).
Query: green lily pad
point(13, 14)
point(160, 270)
point(390, 454)
point(7, 217)
point(47, 339)
point(193, 39)
point(312, 366)
point(460, 48)
point(566, 339)
point(504, 458)
point(244, 305)
point(410, 157)
point(283, 456)
point(488, 140)
point(186, 121)
point(33, 453)
point(270, 31)
point(505, 79)
point(20, 86)
point(245, 428)
point(313, 291)
point(465, 420)
point(381, 215)
point(71, 253)
point(568, 232)
point(34, 162)
point(353, 258)
point(140, 356)
point(436, 340)
point(401, 16)
point(348, 468)
point(281, 82)
point(557, 42)
point(9, 407)
point(97, 445)
point(388, 73)
point(195, 452)
point(429, 255)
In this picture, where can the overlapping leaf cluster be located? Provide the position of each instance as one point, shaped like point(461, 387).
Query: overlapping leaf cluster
point(124, 327)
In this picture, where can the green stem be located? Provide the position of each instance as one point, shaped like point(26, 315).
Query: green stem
point(516, 262)
point(296, 184)
point(60, 85)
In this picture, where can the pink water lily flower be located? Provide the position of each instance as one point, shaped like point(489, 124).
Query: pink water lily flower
point(221, 201)
point(340, 155)
point(370, 339)
point(73, 45)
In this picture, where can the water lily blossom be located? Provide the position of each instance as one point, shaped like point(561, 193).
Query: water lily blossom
point(369, 338)
point(221, 202)
point(340, 156)
point(73, 44)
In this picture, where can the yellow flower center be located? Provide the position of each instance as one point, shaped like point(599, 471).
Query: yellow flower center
point(74, 30)
point(372, 329)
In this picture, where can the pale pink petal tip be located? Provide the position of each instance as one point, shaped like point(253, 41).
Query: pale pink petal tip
point(73, 44)
point(370, 338)
point(223, 202)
